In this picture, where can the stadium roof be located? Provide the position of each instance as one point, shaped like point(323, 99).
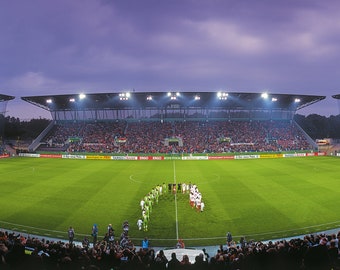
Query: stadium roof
point(5, 98)
point(336, 96)
point(148, 100)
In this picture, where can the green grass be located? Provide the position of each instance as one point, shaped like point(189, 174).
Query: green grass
point(258, 199)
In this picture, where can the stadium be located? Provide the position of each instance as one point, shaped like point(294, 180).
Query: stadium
point(206, 164)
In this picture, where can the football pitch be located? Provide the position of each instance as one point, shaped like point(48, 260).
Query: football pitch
point(258, 199)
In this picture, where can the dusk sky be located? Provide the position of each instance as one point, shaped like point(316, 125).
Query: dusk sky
point(72, 46)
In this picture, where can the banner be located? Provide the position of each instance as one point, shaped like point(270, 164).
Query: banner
point(50, 156)
point(150, 158)
point(220, 157)
point(99, 157)
point(271, 156)
point(224, 139)
point(195, 158)
point(120, 140)
point(74, 139)
point(74, 156)
point(247, 156)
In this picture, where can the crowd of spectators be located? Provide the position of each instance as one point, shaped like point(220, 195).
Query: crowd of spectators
point(185, 136)
point(3, 150)
point(311, 252)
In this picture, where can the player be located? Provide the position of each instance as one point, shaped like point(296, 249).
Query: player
point(139, 224)
point(202, 206)
point(142, 202)
point(184, 188)
point(145, 223)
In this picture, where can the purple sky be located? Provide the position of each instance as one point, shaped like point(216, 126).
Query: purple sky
point(63, 47)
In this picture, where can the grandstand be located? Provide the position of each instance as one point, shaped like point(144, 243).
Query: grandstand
point(174, 114)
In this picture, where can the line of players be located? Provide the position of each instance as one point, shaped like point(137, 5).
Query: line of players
point(195, 198)
point(147, 202)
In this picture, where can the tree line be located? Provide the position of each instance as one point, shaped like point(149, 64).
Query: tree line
point(316, 126)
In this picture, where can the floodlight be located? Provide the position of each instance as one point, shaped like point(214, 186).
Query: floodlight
point(82, 96)
point(49, 101)
point(72, 100)
point(149, 97)
point(197, 97)
point(222, 95)
point(264, 95)
point(274, 99)
point(297, 100)
point(173, 95)
point(124, 96)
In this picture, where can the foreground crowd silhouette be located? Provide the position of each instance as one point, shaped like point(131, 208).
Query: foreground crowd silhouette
point(311, 252)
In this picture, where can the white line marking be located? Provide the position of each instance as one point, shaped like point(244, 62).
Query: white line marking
point(133, 179)
point(176, 210)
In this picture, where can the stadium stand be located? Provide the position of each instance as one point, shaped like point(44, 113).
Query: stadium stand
point(176, 137)
point(158, 122)
point(319, 252)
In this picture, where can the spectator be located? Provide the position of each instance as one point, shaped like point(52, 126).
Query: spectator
point(160, 262)
point(70, 233)
point(185, 263)
point(94, 234)
point(317, 257)
point(145, 244)
point(174, 263)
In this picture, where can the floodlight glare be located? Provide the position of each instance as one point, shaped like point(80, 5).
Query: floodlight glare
point(49, 101)
point(274, 99)
point(222, 95)
point(297, 100)
point(82, 96)
point(264, 95)
point(173, 95)
point(197, 97)
point(124, 96)
point(72, 100)
point(149, 97)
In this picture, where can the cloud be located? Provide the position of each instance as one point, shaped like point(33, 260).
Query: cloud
point(31, 80)
point(54, 47)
